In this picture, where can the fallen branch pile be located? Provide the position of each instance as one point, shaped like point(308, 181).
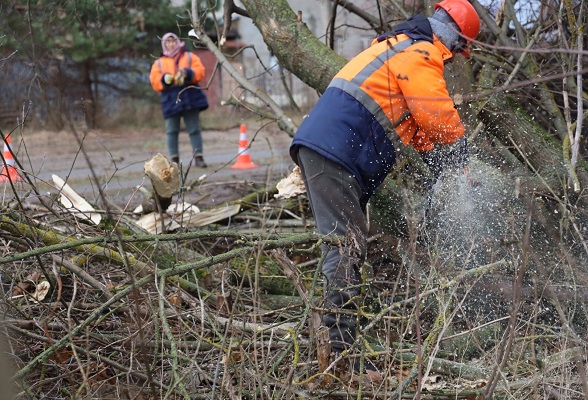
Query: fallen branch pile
point(102, 311)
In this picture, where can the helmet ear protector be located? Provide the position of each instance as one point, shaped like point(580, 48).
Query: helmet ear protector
point(462, 47)
point(466, 18)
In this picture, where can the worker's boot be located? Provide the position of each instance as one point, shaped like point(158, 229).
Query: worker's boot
point(199, 161)
point(175, 159)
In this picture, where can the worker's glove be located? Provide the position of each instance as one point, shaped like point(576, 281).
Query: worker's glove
point(179, 79)
point(184, 75)
point(439, 159)
point(167, 79)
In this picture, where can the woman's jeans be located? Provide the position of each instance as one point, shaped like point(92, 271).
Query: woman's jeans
point(334, 196)
point(172, 131)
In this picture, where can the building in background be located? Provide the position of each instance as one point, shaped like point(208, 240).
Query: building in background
point(352, 35)
point(220, 86)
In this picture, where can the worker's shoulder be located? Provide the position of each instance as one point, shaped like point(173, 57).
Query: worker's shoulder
point(420, 46)
point(421, 50)
point(162, 59)
point(406, 46)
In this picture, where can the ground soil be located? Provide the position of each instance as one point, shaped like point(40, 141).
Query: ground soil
point(114, 162)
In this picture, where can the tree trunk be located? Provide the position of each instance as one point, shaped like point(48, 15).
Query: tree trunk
point(87, 102)
point(538, 151)
point(297, 48)
point(165, 178)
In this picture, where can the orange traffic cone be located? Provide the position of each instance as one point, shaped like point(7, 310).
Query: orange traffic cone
point(243, 158)
point(9, 172)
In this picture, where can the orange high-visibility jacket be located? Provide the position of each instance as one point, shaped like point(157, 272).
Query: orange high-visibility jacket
point(171, 65)
point(396, 85)
point(411, 80)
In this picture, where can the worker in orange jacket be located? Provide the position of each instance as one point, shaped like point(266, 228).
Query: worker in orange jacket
point(393, 91)
point(176, 76)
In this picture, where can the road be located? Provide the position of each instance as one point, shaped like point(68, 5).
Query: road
point(117, 159)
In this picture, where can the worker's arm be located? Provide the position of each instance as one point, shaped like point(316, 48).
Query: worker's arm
point(159, 79)
point(425, 92)
point(195, 73)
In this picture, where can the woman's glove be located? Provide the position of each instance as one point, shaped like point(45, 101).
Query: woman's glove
point(184, 75)
point(167, 79)
point(179, 78)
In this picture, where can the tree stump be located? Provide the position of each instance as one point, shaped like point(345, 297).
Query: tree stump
point(165, 178)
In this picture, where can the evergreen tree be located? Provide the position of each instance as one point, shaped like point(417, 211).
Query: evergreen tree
point(63, 45)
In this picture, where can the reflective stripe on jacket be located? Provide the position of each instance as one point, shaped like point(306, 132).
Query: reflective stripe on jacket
point(190, 98)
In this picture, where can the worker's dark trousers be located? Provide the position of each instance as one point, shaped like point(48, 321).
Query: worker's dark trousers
point(334, 196)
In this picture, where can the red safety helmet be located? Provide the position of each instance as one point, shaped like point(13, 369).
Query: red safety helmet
point(466, 18)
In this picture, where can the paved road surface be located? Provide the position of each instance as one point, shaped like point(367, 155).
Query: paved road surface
point(118, 158)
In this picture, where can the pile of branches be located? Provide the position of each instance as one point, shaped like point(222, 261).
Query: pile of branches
point(107, 311)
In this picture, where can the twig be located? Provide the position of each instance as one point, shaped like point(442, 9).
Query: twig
point(443, 284)
point(503, 352)
point(169, 272)
point(56, 242)
point(98, 357)
point(177, 381)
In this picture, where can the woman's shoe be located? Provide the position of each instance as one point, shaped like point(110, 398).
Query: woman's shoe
point(199, 162)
